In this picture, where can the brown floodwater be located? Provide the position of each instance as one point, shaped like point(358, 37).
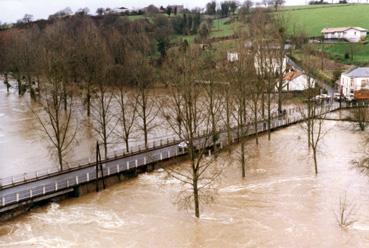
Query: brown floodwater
point(280, 203)
point(24, 148)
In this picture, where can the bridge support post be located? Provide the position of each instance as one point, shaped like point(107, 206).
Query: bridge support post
point(136, 163)
point(118, 168)
point(145, 160)
point(17, 196)
point(43, 190)
point(161, 156)
point(127, 165)
point(3, 201)
point(168, 153)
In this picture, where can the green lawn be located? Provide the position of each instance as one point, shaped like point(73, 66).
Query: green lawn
point(313, 20)
point(221, 28)
point(136, 17)
point(360, 52)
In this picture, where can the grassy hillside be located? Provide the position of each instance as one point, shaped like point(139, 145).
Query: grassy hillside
point(313, 20)
point(356, 54)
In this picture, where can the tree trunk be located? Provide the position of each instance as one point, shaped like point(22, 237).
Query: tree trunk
point(262, 106)
point(243, 159)
point(6, 81)
point(60, 158)
point(88, 100)
point(127, 145)
point(269, 116)
point(65, 101)
point(196, 197)
point(315, 161)
point(19, 86)
point(280, 100)
point(256, 124)
point(228, 117)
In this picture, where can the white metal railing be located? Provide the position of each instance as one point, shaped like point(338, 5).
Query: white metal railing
point(111, 167)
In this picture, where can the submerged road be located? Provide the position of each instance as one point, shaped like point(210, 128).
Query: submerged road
point(14, 194)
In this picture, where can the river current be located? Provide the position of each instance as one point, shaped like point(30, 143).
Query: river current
point(280, 203)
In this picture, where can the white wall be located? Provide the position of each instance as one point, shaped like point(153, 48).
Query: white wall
point(298, 84)
point(350, 85)
point(351, 35)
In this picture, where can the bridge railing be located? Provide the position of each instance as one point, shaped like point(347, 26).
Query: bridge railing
point(155, 144)
point(90, 175)
point(26, 177)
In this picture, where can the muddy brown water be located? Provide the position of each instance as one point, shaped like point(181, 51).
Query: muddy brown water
point(24, 148)
point(281, 203)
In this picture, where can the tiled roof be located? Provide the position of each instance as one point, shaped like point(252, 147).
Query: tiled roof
point(292, 75)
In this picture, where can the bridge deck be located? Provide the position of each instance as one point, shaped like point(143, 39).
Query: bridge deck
point(17, 193)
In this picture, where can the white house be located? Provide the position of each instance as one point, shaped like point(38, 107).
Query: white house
point(297, 81)
point(351, 34)
point(354, 80)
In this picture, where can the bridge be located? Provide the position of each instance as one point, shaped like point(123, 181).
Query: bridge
point(25, 190)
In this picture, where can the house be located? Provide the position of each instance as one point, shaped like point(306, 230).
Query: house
point(351, 34)
point(176, 8)
point(116, 11)
point(296, 80)
point(354, 80)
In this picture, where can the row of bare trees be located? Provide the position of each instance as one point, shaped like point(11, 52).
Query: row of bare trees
point(110, 69)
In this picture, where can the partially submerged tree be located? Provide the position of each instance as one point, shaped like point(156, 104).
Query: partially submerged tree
point(360, 115)
point(59, 126)
point(147, 108)
point(195, 120)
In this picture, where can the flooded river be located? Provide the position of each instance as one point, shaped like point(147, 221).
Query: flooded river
point(24, 148)
point(281, 203)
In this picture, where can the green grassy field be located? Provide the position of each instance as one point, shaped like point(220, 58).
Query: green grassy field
point(221, 28)
point(356, 54)
point(313, 20)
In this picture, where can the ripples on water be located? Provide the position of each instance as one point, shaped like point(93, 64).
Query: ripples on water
point(281, 203)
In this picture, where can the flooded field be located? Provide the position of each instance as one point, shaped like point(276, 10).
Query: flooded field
point(281, 203)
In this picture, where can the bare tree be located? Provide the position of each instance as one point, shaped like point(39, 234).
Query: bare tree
point(127, 105)
point(201, 172)
point(102, 113)
point(59, 126)
point(361, 116)
point(314, 126)
point(280, 30)
point(240, 74)
point(147, 108)
point(346, 212)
